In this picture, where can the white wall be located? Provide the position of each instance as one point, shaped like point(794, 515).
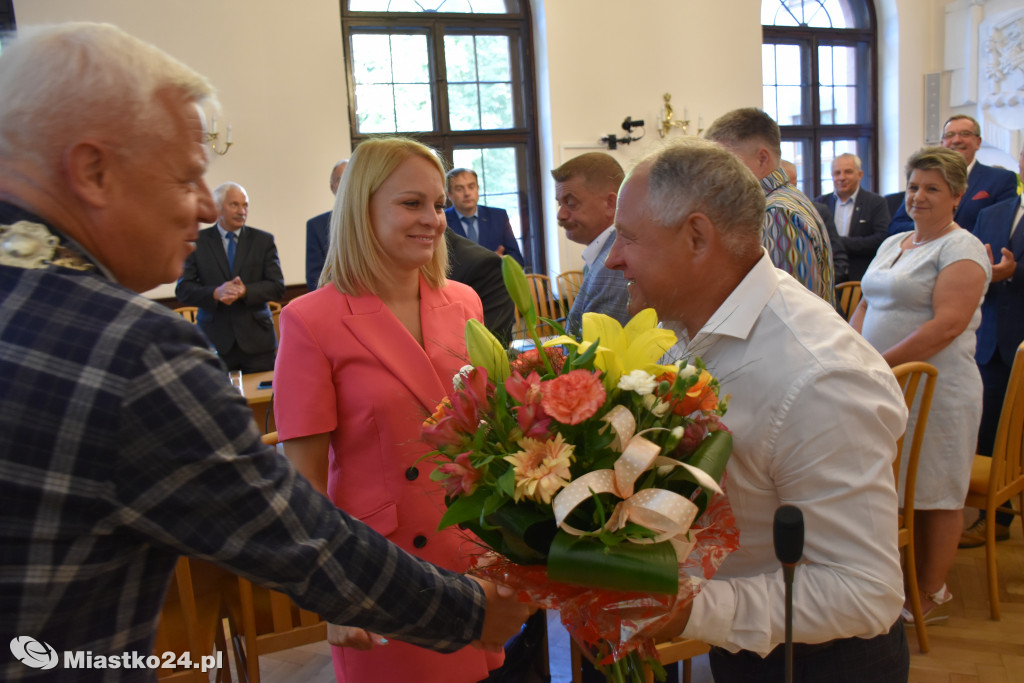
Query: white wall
point(280, 74)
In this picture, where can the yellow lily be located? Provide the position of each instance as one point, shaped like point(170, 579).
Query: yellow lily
point(620, 350)
point(486, 351)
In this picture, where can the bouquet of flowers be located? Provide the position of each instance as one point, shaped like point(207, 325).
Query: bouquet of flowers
point(585, 464)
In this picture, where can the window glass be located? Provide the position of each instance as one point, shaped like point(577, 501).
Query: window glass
point(460, 6)
point(392, 83)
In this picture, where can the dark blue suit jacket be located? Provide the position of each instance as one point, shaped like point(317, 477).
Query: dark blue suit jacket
point(868, 229)
point(494, 227)
point(317, 240)
point(985, 186)
point(1002, 322)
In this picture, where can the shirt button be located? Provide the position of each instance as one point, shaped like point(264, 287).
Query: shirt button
point(419, 541)
point(412, 473)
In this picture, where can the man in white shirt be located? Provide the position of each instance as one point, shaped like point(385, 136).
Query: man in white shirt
point(688, 222)
point(861, 217)
point(586, 188)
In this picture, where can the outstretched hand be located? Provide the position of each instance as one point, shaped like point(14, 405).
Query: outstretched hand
point(354, 637)
point(504, 617)
point(1007, 264)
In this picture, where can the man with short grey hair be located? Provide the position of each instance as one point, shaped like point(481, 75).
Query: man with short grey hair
point(861, 216)
point(689, 223)
point(794, 234)
point(122, 444)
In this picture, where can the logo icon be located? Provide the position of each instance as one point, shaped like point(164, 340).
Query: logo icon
point(34, 653)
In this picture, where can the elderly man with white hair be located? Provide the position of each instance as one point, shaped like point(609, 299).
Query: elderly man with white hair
point(122, 444)
point(689, 244)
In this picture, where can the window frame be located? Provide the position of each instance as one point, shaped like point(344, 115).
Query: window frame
point(814, 133)
point(523, 135)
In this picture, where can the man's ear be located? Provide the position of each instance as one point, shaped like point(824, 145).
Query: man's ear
point(700, 233)
point(88, 168)
point(765, 161)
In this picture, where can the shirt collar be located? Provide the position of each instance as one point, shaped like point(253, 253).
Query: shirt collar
point(851, 200)
point(591, 251)
point(774, 180)
point(224, 233)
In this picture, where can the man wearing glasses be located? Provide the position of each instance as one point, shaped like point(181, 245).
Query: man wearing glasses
point(985, 185)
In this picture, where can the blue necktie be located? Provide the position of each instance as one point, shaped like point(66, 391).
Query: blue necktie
point(470, 223)
point(231, 251)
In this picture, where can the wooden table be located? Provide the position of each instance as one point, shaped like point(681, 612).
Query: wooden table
point(259, 399)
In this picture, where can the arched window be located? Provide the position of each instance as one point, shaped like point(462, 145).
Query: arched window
point(820, 84)
point(458, 76)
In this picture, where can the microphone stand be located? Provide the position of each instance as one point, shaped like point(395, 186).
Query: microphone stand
point(788, 535)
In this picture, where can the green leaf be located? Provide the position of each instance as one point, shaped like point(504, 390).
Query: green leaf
point(464, 509)
point(713, 454)
point(647, 568)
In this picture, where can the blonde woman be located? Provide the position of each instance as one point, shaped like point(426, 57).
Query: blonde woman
point(922, 302)
point(363, 359)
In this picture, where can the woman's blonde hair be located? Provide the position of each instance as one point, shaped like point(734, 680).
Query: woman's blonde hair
point(947, 162)
point(355, 261)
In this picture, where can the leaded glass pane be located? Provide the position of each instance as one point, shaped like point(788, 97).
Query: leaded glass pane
point(454, 6)
point(479, 82)
point(814, 13)
point(392, 83)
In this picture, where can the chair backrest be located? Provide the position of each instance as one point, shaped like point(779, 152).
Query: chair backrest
point(910, 377)
point(179, 630)
point(1007, 474)
point(847, 297)
point(271, 622)
point(275, 311)
point(569, 284)
point(187, 312)
point(546, 307)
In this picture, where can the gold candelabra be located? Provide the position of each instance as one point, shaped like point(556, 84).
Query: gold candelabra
point(668, 120)
point(212, 135)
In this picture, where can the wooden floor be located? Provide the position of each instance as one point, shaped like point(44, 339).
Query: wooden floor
point(971, 648)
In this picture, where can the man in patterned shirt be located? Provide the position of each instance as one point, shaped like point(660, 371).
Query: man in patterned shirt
point(122, 444)
point(794, 234)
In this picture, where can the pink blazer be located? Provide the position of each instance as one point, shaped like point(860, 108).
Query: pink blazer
point(347, 366)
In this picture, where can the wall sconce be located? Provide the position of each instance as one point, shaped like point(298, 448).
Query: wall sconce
point(627, 125)
point(212, 135)
point(668, 121)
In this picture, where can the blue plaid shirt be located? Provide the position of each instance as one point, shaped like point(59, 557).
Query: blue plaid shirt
point(123, 446)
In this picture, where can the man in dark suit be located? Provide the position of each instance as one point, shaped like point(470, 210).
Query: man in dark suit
point(317, 237)
point(487, 226)
point(480, 268)
point(230, 277)
point(861, 217)
point(1001, 228)
point(840, 263)
point(985, 185)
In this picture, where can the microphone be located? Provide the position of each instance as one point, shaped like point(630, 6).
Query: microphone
point(788, 536)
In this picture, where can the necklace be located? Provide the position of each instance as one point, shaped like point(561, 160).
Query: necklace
point(916, 243)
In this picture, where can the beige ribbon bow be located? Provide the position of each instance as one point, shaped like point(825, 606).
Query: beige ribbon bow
point(665, 512)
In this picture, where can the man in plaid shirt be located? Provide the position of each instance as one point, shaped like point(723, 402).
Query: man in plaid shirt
point(122, 444)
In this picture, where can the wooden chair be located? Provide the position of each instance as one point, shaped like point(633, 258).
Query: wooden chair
point(669, 652)
point(275, 311)
point(264, 621)
point(569, 284)
point(188, 626)
point(847, 298)
point(187, 312)
point(997, 479)
point(910, 377)
point(546, 307)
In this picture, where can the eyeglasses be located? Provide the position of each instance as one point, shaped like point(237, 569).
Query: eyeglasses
point(959, 133)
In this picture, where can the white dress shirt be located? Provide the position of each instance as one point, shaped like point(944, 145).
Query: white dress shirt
point(815, 413)
point(844, 212)
point(591, 251)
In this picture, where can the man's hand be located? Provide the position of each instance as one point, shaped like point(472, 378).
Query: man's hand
point(675, 625)
point(1007, 264)
point(500, 251)
point(504, 618)
point(351, 636)
point(230, 291)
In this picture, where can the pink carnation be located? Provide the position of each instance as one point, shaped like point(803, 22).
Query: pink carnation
point(573, 397)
